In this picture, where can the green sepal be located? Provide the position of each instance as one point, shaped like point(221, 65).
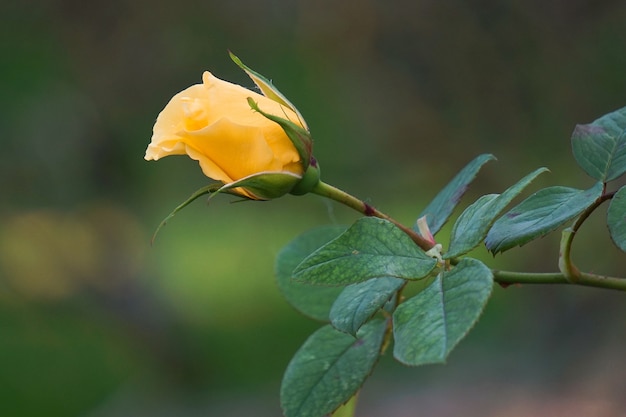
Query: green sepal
point(263, 185)
point(267, 88)
point(209, 189)
point(300, 137)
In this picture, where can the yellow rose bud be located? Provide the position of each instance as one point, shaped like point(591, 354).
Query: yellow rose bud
point(214, 124)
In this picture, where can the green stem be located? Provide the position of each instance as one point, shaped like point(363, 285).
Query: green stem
point(584, 279)
point(581, 219)
point(328, 191)
point(348, 409)
point(566, 265)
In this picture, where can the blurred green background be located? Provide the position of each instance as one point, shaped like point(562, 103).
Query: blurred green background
point(399, 96)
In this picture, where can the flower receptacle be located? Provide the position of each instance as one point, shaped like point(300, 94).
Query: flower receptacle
point(309, 180)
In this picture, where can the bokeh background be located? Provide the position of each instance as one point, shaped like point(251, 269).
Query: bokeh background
point(399, 96)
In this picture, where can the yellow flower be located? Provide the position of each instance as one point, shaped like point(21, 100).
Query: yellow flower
point(214, 123)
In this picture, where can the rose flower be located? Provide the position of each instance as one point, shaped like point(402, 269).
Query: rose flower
point(247, 141)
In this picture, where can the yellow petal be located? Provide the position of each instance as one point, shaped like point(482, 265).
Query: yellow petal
point(213, 124)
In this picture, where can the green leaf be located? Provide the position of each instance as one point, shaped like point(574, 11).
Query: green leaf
point(616, 218)
point(329, 368)
point(538, 215)
point(359, 302)
point(600, 147)
point(370, 248)
point(442, 206)
point(312, 301)
point(429, 325)
point(473, 224)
